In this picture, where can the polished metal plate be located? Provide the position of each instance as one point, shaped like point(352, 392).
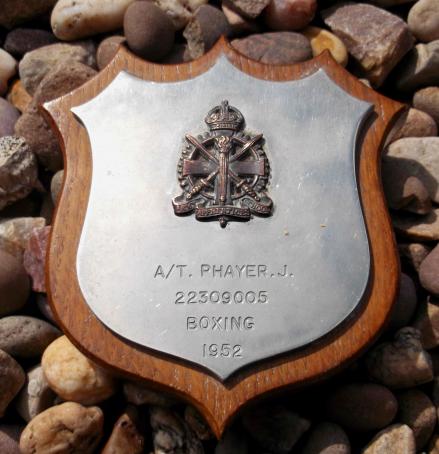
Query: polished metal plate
point(223, 298)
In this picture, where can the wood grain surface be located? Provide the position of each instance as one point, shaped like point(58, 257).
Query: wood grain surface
point(217, 401)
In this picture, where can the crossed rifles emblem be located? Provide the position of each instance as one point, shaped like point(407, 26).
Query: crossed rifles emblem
point(225, 173)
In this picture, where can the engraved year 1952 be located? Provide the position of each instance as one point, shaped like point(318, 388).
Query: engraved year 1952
point(222, 350)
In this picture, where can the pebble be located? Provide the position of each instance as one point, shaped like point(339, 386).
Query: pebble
point(12, 378)
point(35, 396)
point(433, 447)
point(148, 30)
point(418, 412)
point(24, 336)
point(15, 12)
point(278, 48)
point(362, 406)
point(250, 9)
point(414, 123)
point(76, 19)
point(44, 307)
point(204, 29)
point(418, 228)
point(289, 14)
point(73, 376)
point(56, 185)
point(322, 40)
point(419, 68)
point(8, 68)
point(15, 234)
point(327, 438)
point(233, 441)
point(395, 439)
point(14, 284)
point(37, 63)
point(171, 434)
point(275, 429)
point(379, 46)
point(139, 394)
point(68, 428)
point(413, 253)
point(405, 305)
point(9, 437)
point(402, 363)
point(427, 100)
point(34, 258)
point(22, 40)
point(239, 24)
point(429, 274)
point(390, 3)
point(423, 20)
point(18, 96)
point(8, 117)
point(126, 437)
point(107, 49)
point(180, 11)
point(197, 423)
point(18, 170)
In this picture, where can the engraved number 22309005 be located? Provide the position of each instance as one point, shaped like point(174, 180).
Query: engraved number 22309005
point(222, 350)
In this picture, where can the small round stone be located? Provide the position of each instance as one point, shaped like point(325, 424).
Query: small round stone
point(148, 30)
point(423, 20)
point(429, 271)
point(107, 50)
point(8, 68)
point(362, 406)
point(289, 14)
point(427, 100)
point(395, 439)
point(8, 117)
point(327, 438)
point(14, 284)
point(73, 376)
point(414, 123)
point(68, 428)
point(405, 305)
point(322, 39)
point(12, 378)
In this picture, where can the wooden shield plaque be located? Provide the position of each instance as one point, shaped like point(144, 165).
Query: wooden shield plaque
point(222, 231)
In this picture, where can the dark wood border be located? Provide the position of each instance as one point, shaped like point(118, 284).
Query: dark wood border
point(217, 401)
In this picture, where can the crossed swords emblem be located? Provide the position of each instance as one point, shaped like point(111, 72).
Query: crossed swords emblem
point(229, 176)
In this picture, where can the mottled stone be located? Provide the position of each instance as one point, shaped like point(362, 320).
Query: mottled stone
point(275, 429)
point(35, 396)
point(204, 29)
point(15, 234)
point(197, 423)
point(278, 48)
point(12, 378)
point(15, 12)
point(171, 434)
point(429, 275)
point(322, 40)
point(25, 337)
point(126, 437)
point(233, 441)
point(402, 363)
point(76, 19)
point(180, 11)
point(405, 304)
point(327, 438)
point(413, 253)
point(18, 96)
point(9, 437)
point(22, 40)
point(68, 428)
point(427, 100)
point(423, 20)
point(34, 258)
point(376, 38)
point(73, 376)
point(36, 64)
point(18, 170)
point(362, 406)
point(239, 24)
point(107, 49)
point(289, 14)
point(396, 439)
point(248, 8)
point(14, 284)
point(139, 394)
point(414, 123)
point(8, 68)
point(8, 116)
point(418, 228)
point(420, 68)
point(418, 412)
point(148, 30)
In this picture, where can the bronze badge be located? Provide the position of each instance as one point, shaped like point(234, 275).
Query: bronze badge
point(223, 173)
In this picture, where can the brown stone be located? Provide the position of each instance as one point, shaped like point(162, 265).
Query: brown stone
point(126, 437)
point(18, 96)
point(9, 437)
point(423, 20)
point(427, 100)
point(107, 50)
point(8, 116)
point(139, 394)
point(15, 12)
point(12, 378)
point(204, 29)
point(234, 441)
point(418, 412)
point(376, 38)
point(34, 258)
point(289, 14)
point(405, 304)
point(429, 273)
point(414, 123)
point(395, 439)
point(402, 363)
point(239, 24)
point(278, 48)
point(327, 438)
point(422, 228)
point(248, 8)
point(197, 423)
point(414, 253)
point(22, 40)
point(433, 447)
point(180, 11)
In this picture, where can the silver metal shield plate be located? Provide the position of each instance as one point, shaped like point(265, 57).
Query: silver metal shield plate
point(223, 298)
